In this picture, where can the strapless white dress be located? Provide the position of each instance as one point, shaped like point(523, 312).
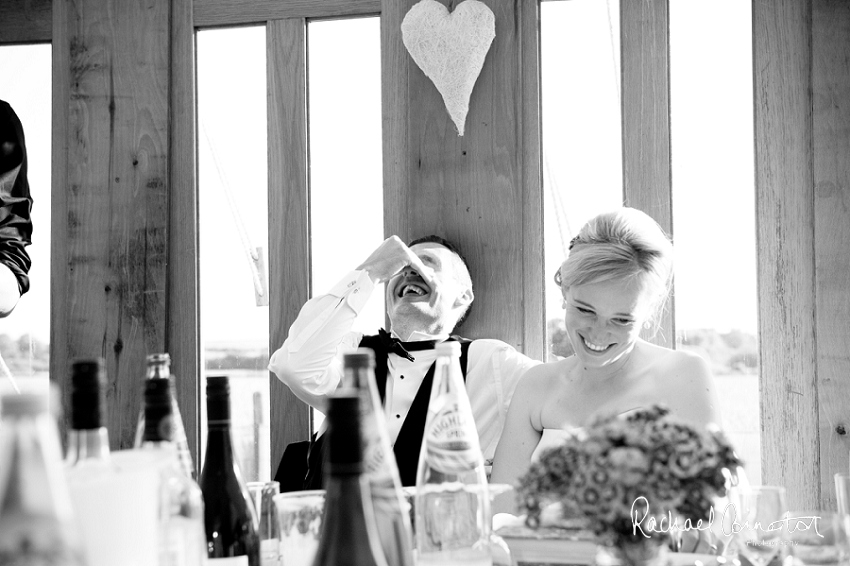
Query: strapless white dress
point(552, 437)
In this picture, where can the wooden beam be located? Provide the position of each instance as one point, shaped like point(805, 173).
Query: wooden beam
point(59, 246)
point(289, 240)
point(182, 328)
point(533, 268)
point(474, 190)
point(209, 13)
point(26, 21)
point(782, 67)
point(831, 141)
point(647, 174)
point(110, 186)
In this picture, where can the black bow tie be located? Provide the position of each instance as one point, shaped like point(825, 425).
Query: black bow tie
point(403, 349)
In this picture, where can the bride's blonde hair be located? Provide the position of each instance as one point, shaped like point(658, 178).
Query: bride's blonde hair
point(624, 244)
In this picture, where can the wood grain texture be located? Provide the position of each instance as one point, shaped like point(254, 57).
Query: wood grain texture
point(110, 261)
point(26, 21)
point(532, 182)
point(59, 245)
point(647, 174)
point(289, 235)
point(469, 189)
point(210, 13)
point(785, 236)
point(183, 323)
point(831, 141)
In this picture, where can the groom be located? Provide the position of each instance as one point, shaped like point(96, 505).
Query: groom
point(428, 294)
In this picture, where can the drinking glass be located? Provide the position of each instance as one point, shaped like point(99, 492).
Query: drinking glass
point(760, 530)
point(817, 538)
point(299, 517)
point(842, 491)
point(262, 494)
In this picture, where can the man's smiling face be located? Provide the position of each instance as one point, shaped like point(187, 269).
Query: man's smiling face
point(413, 305)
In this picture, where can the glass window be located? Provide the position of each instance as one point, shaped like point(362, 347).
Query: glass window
point(233, 226)
point(582, 135)
point(714, 206)
point(346, 190)
point(25, 334)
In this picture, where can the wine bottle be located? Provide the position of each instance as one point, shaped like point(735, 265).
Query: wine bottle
point(182, 537)
point(88, 439)
point(159, 367)
point(229, 515)
point(378, 460)
point(37, 524)
point(452, 504)
point(349, 533)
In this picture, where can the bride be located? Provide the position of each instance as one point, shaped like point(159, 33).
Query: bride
point(615, 281)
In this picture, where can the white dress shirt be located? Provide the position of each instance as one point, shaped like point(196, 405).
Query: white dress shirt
point(310, 362)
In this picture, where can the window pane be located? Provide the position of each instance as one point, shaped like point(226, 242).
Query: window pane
point(233, 211)
point(25, 334)
point(582, 155)
point(714, 206)
point(346, 192)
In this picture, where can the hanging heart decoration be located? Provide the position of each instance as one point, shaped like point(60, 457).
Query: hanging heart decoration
point(450, 48)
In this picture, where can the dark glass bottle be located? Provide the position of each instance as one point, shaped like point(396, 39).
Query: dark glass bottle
point(229, 516)
point(88, 440)
point(379, 463)
point(349, 533)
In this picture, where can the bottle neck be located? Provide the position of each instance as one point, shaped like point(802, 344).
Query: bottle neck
point(219, 443)
point(87, 444)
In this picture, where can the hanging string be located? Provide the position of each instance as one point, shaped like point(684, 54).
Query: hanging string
point(561, 218)
point(5, 369)
point(251, 252)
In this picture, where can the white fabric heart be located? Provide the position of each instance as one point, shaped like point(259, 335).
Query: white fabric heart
point(450, 48)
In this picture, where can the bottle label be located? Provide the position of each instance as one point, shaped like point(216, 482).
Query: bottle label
point(230, 561)
point(452, 440)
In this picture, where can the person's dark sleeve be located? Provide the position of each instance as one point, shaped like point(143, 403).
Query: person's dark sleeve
point(15, 199)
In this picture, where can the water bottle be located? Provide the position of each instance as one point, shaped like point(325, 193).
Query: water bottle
point(452, 505)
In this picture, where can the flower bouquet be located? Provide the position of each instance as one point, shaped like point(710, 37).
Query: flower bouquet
point(635, 480)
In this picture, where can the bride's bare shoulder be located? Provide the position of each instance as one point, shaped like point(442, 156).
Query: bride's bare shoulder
point(546, 375)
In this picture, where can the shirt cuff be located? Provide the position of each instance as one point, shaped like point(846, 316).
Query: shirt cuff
point(355, 289)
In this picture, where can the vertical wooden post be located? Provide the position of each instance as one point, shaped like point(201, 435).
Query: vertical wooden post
point(782, 67)
point(289, 239)
point(482, 190)
point(831, 142)
point(110, 240)
point(182, 328)
point(647, 174)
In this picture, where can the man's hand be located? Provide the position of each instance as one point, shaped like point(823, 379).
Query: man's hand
point(391, 257)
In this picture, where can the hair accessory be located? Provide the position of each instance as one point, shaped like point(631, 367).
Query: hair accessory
point(573, 242)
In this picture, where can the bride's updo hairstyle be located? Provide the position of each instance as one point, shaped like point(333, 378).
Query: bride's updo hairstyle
point(620, 245)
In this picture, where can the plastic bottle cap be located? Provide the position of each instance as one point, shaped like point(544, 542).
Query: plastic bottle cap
point(359, 358)
point(451, 348)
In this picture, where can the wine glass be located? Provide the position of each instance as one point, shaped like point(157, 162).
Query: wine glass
point(759, 527)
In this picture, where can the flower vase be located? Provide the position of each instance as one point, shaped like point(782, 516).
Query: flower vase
point(647, 553)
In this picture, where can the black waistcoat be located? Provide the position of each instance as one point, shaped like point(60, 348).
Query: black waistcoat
point(409, 439)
